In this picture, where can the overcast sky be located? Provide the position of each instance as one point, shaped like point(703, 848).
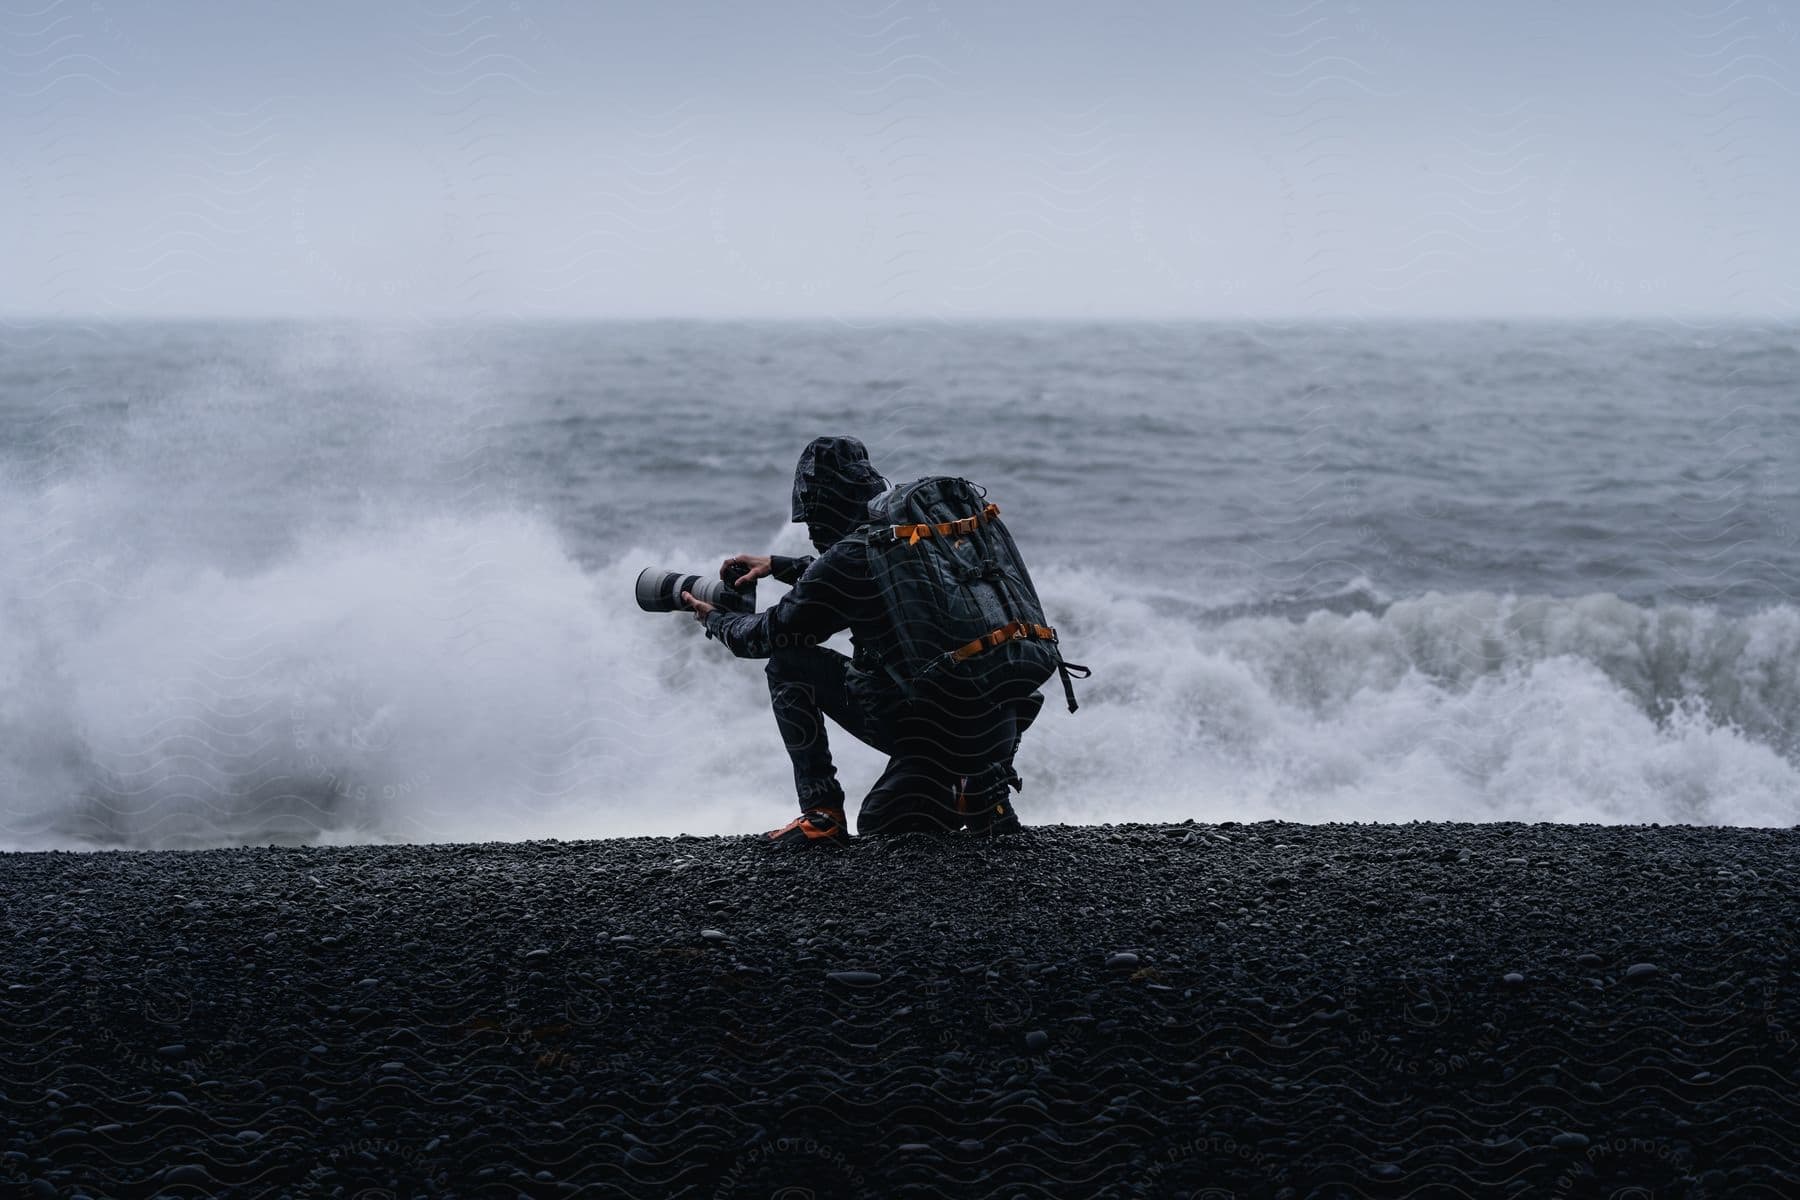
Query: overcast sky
point(899, 158)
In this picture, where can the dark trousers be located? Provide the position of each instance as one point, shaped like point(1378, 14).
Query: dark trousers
point(917, 790)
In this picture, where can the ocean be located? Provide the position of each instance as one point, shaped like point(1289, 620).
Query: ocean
point(339, 583)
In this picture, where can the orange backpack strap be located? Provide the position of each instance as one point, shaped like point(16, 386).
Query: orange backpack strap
point(1024, 629)
point(910, 534)
point(1002, 635)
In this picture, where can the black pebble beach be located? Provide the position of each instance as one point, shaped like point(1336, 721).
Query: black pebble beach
point(1261, 1010)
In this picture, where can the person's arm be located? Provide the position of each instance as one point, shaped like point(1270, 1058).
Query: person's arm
point(751, 567)
point(783, 569)
point(811, 612)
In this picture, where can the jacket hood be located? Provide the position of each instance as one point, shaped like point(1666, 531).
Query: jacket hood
point(833, 484)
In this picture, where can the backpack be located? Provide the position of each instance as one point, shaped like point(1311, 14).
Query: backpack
point(967, 629)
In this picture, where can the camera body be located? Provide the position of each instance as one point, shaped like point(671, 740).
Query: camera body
point(659, 590)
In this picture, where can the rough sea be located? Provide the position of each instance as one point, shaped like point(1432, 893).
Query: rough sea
point(342, 582)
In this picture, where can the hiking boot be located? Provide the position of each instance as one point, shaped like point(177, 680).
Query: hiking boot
point(984, 802)
point(814, 827)
point(995, 820)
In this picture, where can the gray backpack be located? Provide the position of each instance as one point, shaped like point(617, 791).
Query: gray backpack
point(968, 629)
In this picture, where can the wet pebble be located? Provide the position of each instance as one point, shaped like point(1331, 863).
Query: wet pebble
point(854, 978)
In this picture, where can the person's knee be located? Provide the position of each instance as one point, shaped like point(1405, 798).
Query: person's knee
point(888, 819)
point(915, 798)
point(1028, 710)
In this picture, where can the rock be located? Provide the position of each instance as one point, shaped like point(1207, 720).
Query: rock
point(1037, 1041)
point(712, 935)
point(541, 952)
point(1121, 960)
point(1588, 960)
point(854, 978)
point(1512, 979)
point(1570, 1141)
point(1639, 972)
point(187, 1173)
point(173, 1050)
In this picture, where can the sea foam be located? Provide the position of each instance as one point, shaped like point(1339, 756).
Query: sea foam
point(445, 678)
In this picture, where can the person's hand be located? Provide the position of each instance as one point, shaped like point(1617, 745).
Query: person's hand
point(700, 608)
point(755, 567)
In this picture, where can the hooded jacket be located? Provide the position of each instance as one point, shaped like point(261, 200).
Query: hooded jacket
point(833, 484)
point(833, 591)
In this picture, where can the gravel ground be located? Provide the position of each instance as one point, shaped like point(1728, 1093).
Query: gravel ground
point(1202, 1010)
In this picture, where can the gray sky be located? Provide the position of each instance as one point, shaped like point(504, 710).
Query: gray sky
point(900, 158)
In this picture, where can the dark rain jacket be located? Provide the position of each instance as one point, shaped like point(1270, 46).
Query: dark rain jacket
point(830, 593)
point(834, 591)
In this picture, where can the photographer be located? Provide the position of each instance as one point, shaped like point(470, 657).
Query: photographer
point(834, 591)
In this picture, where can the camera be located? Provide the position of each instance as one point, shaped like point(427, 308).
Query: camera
point(660, 591)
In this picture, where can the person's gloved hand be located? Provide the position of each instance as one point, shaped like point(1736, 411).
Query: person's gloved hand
point(755, 567)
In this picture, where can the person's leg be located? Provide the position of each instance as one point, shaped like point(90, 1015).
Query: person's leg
point(913, 795)
point(986, 794)
point(1024, 712)
point(806, 685)
point(917, 792)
